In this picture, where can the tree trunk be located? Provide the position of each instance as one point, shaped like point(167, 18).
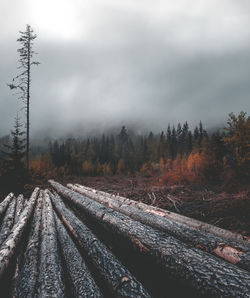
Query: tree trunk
point(51, 282)
point(8, 221)
point(28, 104)
point(234, 252)
point(26, 276)
point(9, 246)
point(208, 274)
point(81, 281)
point(5, 203)
point(202, 226)
point(116, 277)
point(19, 207)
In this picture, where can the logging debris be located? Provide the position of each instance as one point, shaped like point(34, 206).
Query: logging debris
point(76, 241)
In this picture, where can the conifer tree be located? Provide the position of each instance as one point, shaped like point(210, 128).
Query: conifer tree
point(22, 81)
point(16, 151)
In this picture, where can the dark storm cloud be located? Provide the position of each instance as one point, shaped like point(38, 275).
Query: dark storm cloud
point(135, 68)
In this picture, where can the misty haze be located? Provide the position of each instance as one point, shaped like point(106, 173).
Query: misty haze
point(124, 148)
point(105, 64)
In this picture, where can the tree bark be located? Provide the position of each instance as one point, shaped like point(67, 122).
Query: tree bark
point(234, 252)
point(28, 101)
point(25, 281)
point(202, 226)
point(204, 272)
point(5, 203)
point(9, 246)
point(117, 277)
point(8, 221)
point(81, 281)
point(19, 207)
point(51, 277)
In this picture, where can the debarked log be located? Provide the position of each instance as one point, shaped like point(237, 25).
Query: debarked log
point(81, 281)
point(9, 246)
point(51, 282)
point(26, 276)
point(202, 271)
point(8, 221)
point(4, 204)
point(202, 226)
point(117, 277)
point(234, 252)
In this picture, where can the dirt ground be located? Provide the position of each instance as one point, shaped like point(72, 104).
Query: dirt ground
point(229, 211)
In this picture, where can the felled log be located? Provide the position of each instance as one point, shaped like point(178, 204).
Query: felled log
point(208, 274)
point(202, 226)
point(19, 207)
point(26, 276)
point(51, 282)
point(234, 252)
point(9, 246)
point(8, 221)
point(4, 204)
point(81, 281)
point(175, 216)
point(115, 276)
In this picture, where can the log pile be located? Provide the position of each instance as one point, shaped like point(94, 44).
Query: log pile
point(75, 241)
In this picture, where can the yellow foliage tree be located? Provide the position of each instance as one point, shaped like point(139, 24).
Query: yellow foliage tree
point(121, 168)
point(238, 137)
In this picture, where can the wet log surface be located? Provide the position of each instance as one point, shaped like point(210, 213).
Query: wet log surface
point(118, 279)
point(26, 277)
point(234, 252)
point(4, 204)
point(208, 274)
point(81, 281)
point(61, 243)
point(51, 282)
point(202, 226)
point(8, 221)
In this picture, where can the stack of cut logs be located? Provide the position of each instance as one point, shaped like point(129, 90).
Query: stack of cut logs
point(75, 241)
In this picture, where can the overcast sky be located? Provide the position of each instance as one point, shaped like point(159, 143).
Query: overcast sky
point(135, 62)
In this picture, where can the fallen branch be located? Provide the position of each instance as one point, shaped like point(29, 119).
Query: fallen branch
point(174, 202)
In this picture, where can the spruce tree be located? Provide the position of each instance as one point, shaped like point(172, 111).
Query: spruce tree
point(22, 81)
point(16, 151)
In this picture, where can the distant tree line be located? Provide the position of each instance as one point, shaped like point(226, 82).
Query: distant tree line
point(179, 154)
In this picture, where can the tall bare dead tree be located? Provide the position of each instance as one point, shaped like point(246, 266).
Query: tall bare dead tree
point(22, 81)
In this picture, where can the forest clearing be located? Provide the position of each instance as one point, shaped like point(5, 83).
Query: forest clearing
point(124, 149)
point(80, 242)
